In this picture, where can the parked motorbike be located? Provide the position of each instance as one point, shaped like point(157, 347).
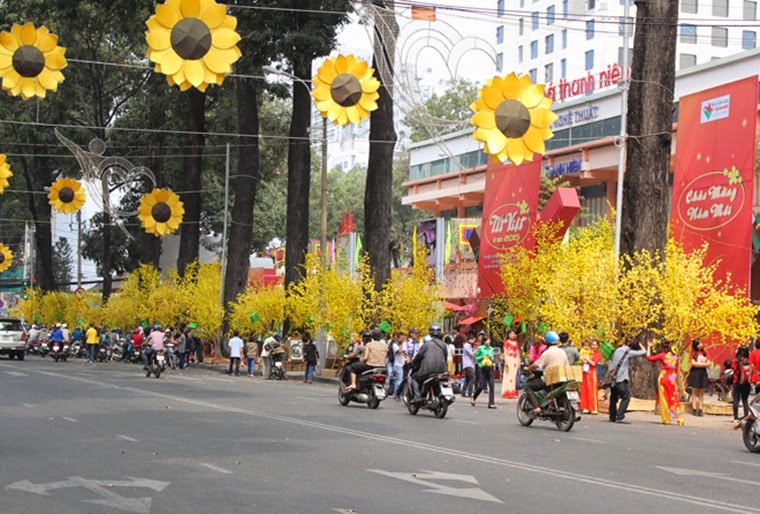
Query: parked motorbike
point(116, 352)
point(157, 364)
point(370, 388)
point(278, 370)
point(42, 348)
point(77, 350)
point(559, 404)
point(750, 427)
point(103, 353)
point(436, 395)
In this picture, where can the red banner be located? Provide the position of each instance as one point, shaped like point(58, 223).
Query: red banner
point(509, 211)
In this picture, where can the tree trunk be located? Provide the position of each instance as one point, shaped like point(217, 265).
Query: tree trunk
point(382, 135)
point(150, 245)
point(299, 181)
point(190, 230)
point(37, 175)
point(650, 124)
point(246, 185)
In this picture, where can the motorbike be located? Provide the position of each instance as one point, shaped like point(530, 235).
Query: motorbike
point(135, 355)
point(42, 348)
point(77, 350)
point(437, 395)
point(103, 353)
point(750, 427)
point(559, 404)
point(116, 353)
point(157, 364)
point(278, 371)
point(32, 348)
point(370, 388)
point(60, 351)
point(172, 359)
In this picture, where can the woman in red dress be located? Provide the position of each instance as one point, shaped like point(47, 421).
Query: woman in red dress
point(667, 389)
point(590, 357)
point(511, 365)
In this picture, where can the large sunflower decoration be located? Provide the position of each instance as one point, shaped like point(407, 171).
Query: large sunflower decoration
point(192, 42)
point(6, 257)
point(5, 173)
point(345, 90)
point(160, 212)
point(512, 117)
point(30, 61)
point(66, 195)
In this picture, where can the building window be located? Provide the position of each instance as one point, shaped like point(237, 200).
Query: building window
point(590, 29)
point(688, 33)
point(500, 8)
point(548, 73)
point(624, 25)
point(522, 4)
point(591, 4)
point(749, 39)
point(564, 9)
point(499, 35)
point(720, 8)
point(719, 37)
point(534, 49)
point(520, 54)
point(589, 60)
point(564, 38)
point(689, 6)
point(534, 20)
point(622, 2)
point(620, 56)
point(521, 26)
point(563, 68)
point(533, 75)
point(750, 10)
point(550, 44)
point(550, 15)
point(500, 61)
point(687, 61)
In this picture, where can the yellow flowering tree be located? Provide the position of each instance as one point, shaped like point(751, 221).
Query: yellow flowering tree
point(199, 290)
point(268, 305)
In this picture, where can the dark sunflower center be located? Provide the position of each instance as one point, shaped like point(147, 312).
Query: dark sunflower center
point(191, 39)
point(161, 212)
point(28, 61)
point(2, 257)
point(66, 195)
point(346, 90)
point(512, 118)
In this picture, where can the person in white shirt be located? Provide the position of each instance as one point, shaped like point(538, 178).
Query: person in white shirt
point(235, 344)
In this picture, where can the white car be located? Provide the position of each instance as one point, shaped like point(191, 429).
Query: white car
point(12, 338)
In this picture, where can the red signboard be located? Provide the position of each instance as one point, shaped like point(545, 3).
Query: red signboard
point(509, 211)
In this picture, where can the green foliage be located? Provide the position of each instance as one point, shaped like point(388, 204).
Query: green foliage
point(446, 113)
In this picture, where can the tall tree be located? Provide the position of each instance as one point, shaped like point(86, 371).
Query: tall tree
point(63, 261)
point(444, 113)
point(382, 136)
point(650, 124)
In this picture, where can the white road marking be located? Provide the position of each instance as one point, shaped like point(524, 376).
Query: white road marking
point(17, 373)
point(227, 380)
point(423, 479)
point(465, 421)
point(746, 463)
point(70, 419)
point(622, 487)
point(30, 405)
point(708, 474)
point(127, 438)
point(597, 441)
point(215, 468)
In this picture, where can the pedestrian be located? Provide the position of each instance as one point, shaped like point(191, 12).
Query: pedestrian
point(573, 355)
point(449, 354)
point(92, 338)
point(485, 360)
point(667, 383)
point(754, 361)
point(741, 387)
point(590, 357)
point(537, 348)
point(198, 349)
point(399, 359)
point(266, 355)
point(511, 365)
point(697, 379)
point(621, 389)
point(468, 365)
point(311, 357)
point(252, 354)
point(182, 347)
point(235, 344)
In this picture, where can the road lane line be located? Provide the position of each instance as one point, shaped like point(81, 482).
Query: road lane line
point(465, 421)
point(17, 373)
point(30, 405)
point(596, 441)
point(623, 487)
point(127, 438)
point(215, 468)
point(746, 463)
point(70, 419)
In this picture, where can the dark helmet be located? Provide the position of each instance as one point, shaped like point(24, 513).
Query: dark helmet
point(436, 331)
point(277, 336)
point(366, 336)
point(377, 334)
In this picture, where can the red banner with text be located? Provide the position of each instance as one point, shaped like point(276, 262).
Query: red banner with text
point(509, 210)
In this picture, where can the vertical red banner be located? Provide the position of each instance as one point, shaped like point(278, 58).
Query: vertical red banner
point(714, 177)
point(510, 208)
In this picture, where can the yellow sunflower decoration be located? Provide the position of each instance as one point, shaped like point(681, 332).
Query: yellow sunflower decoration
point(512, 117)
point(160, 212)
point(5, 173)
point(30, 61)
point(192, 42)
point(66, 195)
point(6, 257)
point(345, 90)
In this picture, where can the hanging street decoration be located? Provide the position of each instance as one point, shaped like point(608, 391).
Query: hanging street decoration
point(5, 173)
point(6, 257)
point(345, 90)
point(66, 195)
point(30, 61)
point(512, 117)
point(160, 212)
point(192, 42)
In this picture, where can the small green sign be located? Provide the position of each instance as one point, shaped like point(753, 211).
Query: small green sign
point(508, 320)
point(192, 325)
point(385, 327)
point(254, 317)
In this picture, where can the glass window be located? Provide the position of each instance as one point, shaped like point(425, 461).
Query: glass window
point(499, 35)
point(520, 54)
point(534, 20)
point(533, 75)
point(749, 39)
point(750, 10)
point(589, 60)
point(533, 49)
point(591, 4)
point(689, 6)
point(719, 37)
point(687, 61)
point(620, 56)
point(564, 38)
point(500, 61)
point(720, 8)
point(630, 2)
point(548, 73)
point(550, 15)
point(549, 44)
point(521, 26)
point(590, 29)
point(624, 24)
point(688, 33)
point(563, 68)
point(564, 9)
point(522, 3)
point(500, 7)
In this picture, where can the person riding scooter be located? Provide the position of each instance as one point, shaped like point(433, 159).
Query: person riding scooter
point(430, 360)
point(354, 355)
point(373, 356)
point(552, 356)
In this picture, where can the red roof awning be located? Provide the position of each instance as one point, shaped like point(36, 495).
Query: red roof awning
point(454, 307)
point(471, 320)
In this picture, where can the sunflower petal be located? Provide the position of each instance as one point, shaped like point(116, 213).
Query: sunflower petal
point(511, 87)
point(190, 8)
point(531, 97)
point(542, 118)
point(47, 43)
point(224, 38)
point(55, 61)
point(533, 140)
point(47, 80)
point(8, 41)
point(171, 63)
point(28, 87)
point(492, 97)
point(159, 39)
point(216, 62)
point(484, 119)
point(496, 140)
point(341, 64)
point(167, 15)
point(327, 73)
point(28, 34)
point(516, 150)
point(194, 72)
point(359, 69)
point(6, 61)
point(214, 15)
point(367, 103)
point(321, 94)
point(353, 115)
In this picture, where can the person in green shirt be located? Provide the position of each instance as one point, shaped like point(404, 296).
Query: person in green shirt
point(484, 359)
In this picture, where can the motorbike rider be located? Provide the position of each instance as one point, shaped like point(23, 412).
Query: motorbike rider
point(354, 355)
point(154, 343)
point(552, 356)
point(373, 356)
point(34, 335)
point(430, 360)
point(56, 336)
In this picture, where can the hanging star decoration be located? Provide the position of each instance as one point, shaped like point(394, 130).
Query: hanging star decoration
point(512, 117)
point(30, 61)
point(66, 195)
point(345, 90)
point(6, 257)
point(5, 173)
point(160, 212)
point(192, 42)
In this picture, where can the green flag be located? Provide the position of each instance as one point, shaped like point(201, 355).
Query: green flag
point(524, 327)
point(508, 320)
point(385, 327)
point(254, 317)
point(543, 327)
point(144, 324)
point(358, 248)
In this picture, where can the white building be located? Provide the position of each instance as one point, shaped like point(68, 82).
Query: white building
point(574, 45)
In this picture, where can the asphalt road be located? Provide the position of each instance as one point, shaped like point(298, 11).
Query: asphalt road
point(79, 438)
